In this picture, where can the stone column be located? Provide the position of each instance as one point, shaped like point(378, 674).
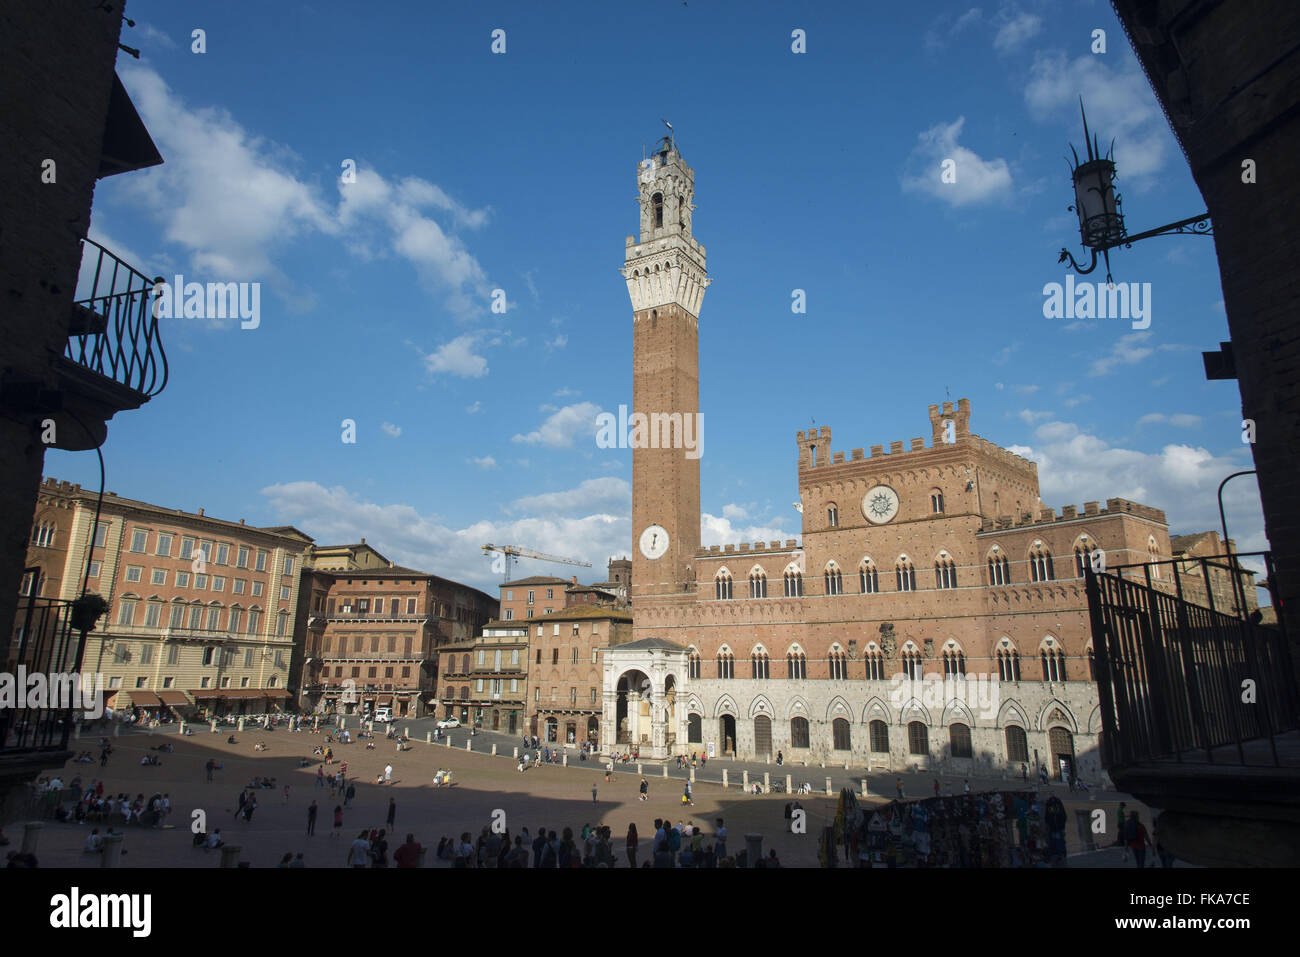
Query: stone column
point(754, 848)
point(230, 855)
point(658, 727)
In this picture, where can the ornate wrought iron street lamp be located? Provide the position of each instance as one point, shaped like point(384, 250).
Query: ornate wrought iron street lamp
point(1101, 221)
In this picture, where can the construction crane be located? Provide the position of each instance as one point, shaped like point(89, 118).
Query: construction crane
point(513, 553)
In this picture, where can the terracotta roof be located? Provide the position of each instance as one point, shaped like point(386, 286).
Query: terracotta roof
point(536, 580)
point(574, 612)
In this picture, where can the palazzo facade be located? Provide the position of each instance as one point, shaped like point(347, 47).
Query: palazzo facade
point(932, 615)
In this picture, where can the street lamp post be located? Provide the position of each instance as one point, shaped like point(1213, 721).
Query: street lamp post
point(1232, 555)
point(1101, 221)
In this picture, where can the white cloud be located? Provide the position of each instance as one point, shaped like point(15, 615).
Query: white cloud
point(1030, 417)
point(947, 27)
point(393, 430)
point(735, 512)
point(486, 462)
point(559, 342)
point(1071, 402)
point(233, 200)
point(151, 34)
point(598, 494)
point(1128, 350)
point(565, 392)
point(976, 180)
point(475, 408)
point(1025, 389)
point(563, 426)
point(1075, 466)
point(1016, 30)
point(428, 543)
point(458, 358)
point(719, 530)
point(1182, 420)
point(1119, 102)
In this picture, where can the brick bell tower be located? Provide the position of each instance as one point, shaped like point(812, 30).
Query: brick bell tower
point(666, 279)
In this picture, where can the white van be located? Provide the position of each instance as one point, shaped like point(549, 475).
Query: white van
point(383, 714)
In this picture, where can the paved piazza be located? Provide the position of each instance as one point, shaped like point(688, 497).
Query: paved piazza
point(550, 796)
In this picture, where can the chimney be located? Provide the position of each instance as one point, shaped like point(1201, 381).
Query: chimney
point(200, 513)
point(363, 541)
point(574, 579)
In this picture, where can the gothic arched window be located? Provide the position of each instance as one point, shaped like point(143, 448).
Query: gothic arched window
point(905, 575)
point(658, 203)
point(1040, 565)
point(868, 579)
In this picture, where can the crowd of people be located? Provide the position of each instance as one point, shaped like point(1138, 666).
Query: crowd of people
point(683, 844)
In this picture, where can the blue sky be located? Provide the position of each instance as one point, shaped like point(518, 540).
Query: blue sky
point(479, 171)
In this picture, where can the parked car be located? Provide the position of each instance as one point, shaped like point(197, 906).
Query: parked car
point(449, 723)
point(383, 714)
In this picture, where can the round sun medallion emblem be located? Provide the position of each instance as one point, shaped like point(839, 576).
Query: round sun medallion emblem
point(880, 504)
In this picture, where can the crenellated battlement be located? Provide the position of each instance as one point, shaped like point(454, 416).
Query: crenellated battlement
point(946, 422)
point(1070, 513)
point(748, 548)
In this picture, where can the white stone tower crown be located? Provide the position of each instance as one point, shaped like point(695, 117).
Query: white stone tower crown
point(666, 265)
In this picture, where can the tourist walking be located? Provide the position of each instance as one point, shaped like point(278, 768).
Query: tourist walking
point(645, 789)
point(720, 841)
point(388, 773)
point(898, 784)
point(320, 776)
point(359, 852)
point(687, 797)
point(338, 821)
point(210, 767)
point(593, 794)
point(392, 811)
point(349, 795)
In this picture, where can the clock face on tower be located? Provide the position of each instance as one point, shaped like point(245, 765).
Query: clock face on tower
point(654, 542)
point(880, 504)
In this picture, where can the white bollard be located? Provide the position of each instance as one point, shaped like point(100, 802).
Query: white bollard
point(638, 767)
point(724, 777)
point(111, 855)
point(767, 783)
point(564, 759)
point(31, 834)
point(516, 752)
point(692, 775)
point(828, 787)
point(469, 744)
point(789, 784)
point(428, 737)
point(744, 780)
point(494, 750)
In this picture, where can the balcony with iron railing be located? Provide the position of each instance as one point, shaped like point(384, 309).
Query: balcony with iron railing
point(114, 359)
point(1200, 707)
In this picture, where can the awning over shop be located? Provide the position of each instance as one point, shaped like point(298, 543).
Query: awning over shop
point(206, 693)
point(174, 699)
point(385, 699)
point(241, 694)
point(145, 699)
point(277, 694)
